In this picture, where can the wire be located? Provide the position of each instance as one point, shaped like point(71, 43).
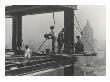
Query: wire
point(77, 23)
point(80, 30)
point(54, 18)
point(41, 45)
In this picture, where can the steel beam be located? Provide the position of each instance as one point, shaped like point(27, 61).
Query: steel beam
point(14, 46)
point(69, 71)
point(35, 9)
point(69, 30)
point(19, 31)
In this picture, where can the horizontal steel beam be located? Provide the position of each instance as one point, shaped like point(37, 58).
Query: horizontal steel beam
point(35, 9)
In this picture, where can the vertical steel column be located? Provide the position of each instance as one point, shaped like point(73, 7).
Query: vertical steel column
point(69, 30)
point(19, 31)
point(14, 44)
point(69, 38)
point(69, 70)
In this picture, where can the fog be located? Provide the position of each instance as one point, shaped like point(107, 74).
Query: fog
point(35, 26)
point(96, 14)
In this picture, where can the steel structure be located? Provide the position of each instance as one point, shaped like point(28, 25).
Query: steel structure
point(16, 12)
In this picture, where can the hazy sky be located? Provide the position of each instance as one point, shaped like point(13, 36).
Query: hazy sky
point(35, 26)
point(97, 18)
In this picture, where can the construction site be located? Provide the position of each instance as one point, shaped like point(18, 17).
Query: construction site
point(53, 50)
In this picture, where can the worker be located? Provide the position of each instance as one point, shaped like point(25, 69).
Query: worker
point(60, 40)
point(27, 53)
point(79, 47)
point(53, 38)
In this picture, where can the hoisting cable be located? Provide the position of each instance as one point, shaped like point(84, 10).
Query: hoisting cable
point(80, 30)
point(54, 18)
point(85, 39)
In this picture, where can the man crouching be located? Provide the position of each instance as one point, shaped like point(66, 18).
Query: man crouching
point(27, 52)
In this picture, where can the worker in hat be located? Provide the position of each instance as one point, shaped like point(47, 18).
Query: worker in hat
point(79, 47)
point(53, 38)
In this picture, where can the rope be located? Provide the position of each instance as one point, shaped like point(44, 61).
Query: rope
point(54, 18)
point(41, 45)
point(80, 30)
point(77, 23)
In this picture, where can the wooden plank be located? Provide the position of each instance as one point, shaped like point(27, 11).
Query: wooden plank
point(31, 62)
point(42, 66)
point(21, 58)
point(28, 68)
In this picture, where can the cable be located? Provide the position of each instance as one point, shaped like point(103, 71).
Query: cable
point(80, 30)
point(54, 18)
point(77, 22)
point(41, 45)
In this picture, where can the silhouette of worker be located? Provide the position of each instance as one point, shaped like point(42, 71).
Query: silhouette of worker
point(60, 40)
point(79, 48)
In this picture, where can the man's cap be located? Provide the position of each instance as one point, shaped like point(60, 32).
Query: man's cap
point(62, 29)
point(77, 36)
point(52, 27)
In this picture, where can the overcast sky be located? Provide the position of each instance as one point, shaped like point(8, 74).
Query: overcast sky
point(97, 18)
point(35, 26)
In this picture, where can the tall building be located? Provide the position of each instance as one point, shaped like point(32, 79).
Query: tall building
point(95, 45)
point(88, 37)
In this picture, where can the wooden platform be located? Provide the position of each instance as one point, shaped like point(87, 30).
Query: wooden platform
point(17, 66)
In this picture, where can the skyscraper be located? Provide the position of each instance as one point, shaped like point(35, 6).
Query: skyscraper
point(88, 37)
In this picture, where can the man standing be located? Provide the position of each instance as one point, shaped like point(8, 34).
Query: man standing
point(53, 38)
point(79, 47)
point(60, 40)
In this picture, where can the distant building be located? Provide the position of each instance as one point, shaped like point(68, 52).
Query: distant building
point(95, 45)
point(88, 37)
